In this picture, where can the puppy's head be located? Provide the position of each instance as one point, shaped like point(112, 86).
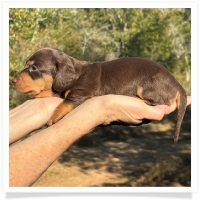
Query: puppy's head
point(48, 72)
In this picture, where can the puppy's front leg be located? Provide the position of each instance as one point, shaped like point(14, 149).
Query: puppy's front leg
point(61, 110)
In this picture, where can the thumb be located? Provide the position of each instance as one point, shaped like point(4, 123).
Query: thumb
point(158, 112)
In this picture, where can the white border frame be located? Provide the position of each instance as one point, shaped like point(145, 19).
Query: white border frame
point(95, 4)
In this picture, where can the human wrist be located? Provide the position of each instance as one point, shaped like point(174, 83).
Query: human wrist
point(107, 108)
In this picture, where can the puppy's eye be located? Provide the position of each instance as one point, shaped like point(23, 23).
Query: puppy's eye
point(33, 68)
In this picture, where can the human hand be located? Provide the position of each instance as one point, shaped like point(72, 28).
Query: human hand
point(134, 111)
point(30, 116)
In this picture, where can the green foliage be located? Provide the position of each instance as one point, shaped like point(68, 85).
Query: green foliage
point(162, 35)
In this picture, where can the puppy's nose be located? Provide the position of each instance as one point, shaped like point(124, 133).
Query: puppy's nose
point(15, 79)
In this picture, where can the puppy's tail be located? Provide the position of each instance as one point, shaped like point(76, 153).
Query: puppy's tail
point(181, 106)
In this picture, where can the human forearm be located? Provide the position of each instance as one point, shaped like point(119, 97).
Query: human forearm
point(31, 157)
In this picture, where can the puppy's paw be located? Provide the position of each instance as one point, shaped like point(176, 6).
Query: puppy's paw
point(50, 122)
point(57, 116)
point(62, 110)
point(53, 120)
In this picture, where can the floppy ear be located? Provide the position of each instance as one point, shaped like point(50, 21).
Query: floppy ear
point(65, 75)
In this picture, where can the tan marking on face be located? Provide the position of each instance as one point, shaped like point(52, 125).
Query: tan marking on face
point(48, 81)
point(30, 62)
point(26, 84)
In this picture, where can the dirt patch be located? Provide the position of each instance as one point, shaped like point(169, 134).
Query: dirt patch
point(126, 156)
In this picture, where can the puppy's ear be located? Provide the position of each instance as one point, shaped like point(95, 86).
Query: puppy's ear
point(65, 75)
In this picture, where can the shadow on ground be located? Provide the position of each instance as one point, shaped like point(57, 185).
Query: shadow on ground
point(144, 155)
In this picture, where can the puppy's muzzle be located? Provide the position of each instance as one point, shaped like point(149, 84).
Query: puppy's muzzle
point(15, 79)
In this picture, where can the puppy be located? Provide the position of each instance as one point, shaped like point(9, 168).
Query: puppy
point(51, 72)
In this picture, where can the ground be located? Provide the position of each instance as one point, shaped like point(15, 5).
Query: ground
point(126, 156)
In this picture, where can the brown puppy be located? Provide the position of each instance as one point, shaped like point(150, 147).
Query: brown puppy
point(51, 72)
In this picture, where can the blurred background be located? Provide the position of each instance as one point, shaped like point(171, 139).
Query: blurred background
point(114, 155)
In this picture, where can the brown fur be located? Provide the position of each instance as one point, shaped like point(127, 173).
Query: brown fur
point(51, 72)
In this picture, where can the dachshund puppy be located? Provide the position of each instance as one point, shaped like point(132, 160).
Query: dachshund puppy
point(51, 72)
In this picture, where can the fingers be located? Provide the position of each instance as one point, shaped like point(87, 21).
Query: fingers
point(188, 100)
point(174, 105)
point(133, 110)
point(156, 112)
point(162, 110)
point(29, 116)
